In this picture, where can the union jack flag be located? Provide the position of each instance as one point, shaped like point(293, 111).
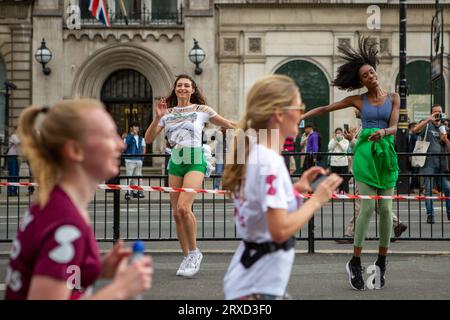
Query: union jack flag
point(98, 10)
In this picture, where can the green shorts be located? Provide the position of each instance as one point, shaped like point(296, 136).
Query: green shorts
point(184, 160)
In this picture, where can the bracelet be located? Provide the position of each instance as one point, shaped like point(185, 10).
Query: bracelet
point(385, 132)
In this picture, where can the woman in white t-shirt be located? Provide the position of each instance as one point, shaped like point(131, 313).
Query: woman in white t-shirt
point(267, 209)
point(183, 115)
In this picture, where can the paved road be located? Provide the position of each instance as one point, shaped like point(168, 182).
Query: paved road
point(318, 276)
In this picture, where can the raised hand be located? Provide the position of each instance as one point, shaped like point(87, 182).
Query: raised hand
point(161, 108)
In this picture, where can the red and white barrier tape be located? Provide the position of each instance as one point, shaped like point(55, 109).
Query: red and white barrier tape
point(125, 188)
point(190, 190)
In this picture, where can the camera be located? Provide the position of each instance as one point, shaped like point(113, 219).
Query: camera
point(10, 85)
point(441, 117)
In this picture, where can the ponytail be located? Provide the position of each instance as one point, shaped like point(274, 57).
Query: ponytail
point(43, 133)
point(234, 173)
point(42, 167)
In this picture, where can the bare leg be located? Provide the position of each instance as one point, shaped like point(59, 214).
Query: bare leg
point(177, 182)
point(193, 179)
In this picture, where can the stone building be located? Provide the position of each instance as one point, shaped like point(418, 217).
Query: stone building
point(129, 66)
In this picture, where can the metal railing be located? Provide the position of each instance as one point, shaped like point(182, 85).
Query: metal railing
point(137, 18)
point(150, 218)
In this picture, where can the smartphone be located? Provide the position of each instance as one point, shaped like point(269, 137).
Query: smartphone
point(302, 124)
point(346, 128)
point(318, 180)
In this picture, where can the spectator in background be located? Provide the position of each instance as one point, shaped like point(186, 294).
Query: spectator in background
point(428, 130)
point(289, 146)
point(135, 145)
point(339, 164)
point(412, 138)
point(300, 146)
point(12, 162)
point(312, 146)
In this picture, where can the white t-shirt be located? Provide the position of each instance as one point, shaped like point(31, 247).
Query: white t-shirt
point(267, 185)
point(184, 125)
point(14, 144)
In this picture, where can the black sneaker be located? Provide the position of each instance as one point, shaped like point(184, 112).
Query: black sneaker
point(141, 194)
point(430, 219)
point(382, 273)
point(355, 278)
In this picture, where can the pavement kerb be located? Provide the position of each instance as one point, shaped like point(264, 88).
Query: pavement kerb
point(324, 252)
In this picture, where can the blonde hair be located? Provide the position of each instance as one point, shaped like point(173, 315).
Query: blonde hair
point(264, 96)
point(43, 132)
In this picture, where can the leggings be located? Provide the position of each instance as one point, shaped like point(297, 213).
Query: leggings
point(368, 208)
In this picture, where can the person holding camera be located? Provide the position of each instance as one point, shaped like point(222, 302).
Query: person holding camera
point(430, 130)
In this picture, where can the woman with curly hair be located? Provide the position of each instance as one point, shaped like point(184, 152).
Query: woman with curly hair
point(375, 164)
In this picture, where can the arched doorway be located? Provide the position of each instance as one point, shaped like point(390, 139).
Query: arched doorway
point(315, 91)
point(128, 97)
point(419, 100)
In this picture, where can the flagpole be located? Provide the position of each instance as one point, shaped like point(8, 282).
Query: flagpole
point(123, 10)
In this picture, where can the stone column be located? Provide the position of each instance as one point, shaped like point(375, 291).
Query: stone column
point(48, 24)
point(200, 24)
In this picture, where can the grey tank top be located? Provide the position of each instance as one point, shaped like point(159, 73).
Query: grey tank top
point(376, 116)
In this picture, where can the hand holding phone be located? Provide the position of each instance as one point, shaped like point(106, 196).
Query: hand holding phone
point(318, 180)
point(346, 128)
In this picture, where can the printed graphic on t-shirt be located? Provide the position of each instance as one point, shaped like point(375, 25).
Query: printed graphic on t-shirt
point(184, 125)
point(64, 236)
point(269, 180)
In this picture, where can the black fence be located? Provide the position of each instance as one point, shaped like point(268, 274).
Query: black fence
point(139, 18)
point(150, 218)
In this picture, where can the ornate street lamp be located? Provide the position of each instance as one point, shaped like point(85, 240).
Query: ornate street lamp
point(197, 55)
point(43, 55)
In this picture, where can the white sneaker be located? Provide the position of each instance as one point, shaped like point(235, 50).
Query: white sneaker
point(182, 266)
point(192, 264)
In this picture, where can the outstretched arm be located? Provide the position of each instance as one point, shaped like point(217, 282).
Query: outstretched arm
point(351, 101)
point(220, 121)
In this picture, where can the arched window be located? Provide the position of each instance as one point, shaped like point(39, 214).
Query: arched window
point(315, 91)
point(419, 102)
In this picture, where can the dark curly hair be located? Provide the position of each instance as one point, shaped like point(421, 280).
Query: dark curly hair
point(348, 74)
point(196, 98)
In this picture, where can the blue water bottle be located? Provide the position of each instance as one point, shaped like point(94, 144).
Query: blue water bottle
point(138, 253)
